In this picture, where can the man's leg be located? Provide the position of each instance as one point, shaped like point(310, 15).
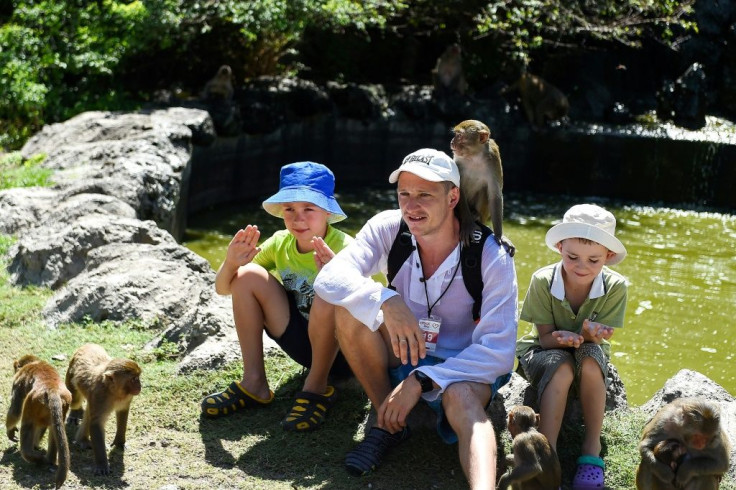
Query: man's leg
point(463, 404)
point(367, 354)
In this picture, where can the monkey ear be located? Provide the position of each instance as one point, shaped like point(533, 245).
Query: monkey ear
point(483, 137)
point(536, 420)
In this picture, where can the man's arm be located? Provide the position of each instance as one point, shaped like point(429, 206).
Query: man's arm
point(345, 281)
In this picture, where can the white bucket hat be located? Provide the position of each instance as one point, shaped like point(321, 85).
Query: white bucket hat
point(591, 222)
point(429, 164)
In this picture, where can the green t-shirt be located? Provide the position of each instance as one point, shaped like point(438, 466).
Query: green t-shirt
point(296, 270)
point(606, 303)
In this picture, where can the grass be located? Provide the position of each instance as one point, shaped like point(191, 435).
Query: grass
point(170, 444)
point(17, 172)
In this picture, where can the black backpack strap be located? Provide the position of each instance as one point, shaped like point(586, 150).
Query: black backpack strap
point(401, 249)
point(470, 258)
point(470, 261)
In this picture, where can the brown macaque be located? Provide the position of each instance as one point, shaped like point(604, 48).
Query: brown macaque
point(39, 400)
point(535, 463)
point(542, 101)
point(448, 74)
point(108, 385)
point(695, 424)
point(481, 180)
point(220, 87)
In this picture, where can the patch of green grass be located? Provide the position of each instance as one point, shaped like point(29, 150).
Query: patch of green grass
point(17, 172)
point(169, 443)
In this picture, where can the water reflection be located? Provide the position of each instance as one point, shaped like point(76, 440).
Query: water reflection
point(681, 268)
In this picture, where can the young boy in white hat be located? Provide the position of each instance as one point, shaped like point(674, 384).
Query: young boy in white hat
point(574, 305)
point(301, 323)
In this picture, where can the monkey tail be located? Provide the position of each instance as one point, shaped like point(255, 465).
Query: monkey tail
point(467, 221)
point(62, 445)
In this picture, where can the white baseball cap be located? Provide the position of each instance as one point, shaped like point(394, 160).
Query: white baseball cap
point(429, 164)
point(590, 222)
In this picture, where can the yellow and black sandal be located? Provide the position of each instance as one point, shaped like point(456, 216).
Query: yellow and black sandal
point(232, 399)
point(309, 410)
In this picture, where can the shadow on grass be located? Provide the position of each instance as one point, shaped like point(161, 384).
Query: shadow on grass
point(316, 459)
point(29, 475)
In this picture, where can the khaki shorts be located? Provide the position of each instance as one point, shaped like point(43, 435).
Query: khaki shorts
point(539, 364)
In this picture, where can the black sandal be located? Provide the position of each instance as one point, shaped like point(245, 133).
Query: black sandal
point(309, 410)
point(230, 400)
point(368, 454)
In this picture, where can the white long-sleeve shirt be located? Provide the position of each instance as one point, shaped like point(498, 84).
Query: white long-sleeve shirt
point(471, 352)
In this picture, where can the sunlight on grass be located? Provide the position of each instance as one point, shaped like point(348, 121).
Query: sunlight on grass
point(17, 172)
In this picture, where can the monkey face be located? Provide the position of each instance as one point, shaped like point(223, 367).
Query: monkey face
point(468, 137)
point(133, 386)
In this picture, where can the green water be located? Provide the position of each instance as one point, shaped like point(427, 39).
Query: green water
point(681, 268)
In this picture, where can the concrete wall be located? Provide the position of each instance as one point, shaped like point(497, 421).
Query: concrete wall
point(588, 161)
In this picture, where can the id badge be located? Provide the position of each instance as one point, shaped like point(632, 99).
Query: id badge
point(431, 329)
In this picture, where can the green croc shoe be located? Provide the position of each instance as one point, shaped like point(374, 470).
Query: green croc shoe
point(232, 399)
point(309, 410)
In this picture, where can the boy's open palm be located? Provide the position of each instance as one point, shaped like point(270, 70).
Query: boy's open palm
point(567, 339)
point(322, 252)
point(244, 246)
point(596, 332)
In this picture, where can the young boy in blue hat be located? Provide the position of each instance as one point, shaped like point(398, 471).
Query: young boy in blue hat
point(574, 305)
point(300, 322)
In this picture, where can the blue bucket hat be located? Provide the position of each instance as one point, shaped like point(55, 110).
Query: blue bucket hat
point(306, 182)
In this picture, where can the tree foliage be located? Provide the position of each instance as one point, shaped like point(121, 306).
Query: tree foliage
point(528, 25)
point(61, 57)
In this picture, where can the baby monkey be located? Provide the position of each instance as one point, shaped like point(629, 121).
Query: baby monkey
point(39, 400)
point(670, 452)
point(481, 180)
point(535, 463)
point(107, 384)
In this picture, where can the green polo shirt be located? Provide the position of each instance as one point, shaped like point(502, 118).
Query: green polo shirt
point(545, 304)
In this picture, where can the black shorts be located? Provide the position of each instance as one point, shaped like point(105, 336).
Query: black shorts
point(295, 342)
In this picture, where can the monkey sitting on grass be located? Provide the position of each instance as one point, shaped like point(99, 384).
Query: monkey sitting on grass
point(534, 463)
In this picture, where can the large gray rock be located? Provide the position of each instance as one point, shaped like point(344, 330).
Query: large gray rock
point(55, 252)
point(166, 285)
point(24, 208)
point(142, 159)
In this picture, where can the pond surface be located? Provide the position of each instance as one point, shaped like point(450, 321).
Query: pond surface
point(681, 268)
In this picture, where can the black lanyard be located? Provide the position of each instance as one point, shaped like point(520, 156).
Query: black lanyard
point(426, 293)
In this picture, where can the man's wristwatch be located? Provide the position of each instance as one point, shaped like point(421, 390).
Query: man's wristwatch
point(424, 381)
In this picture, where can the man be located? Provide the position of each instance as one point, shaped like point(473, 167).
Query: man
point(382, 330)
